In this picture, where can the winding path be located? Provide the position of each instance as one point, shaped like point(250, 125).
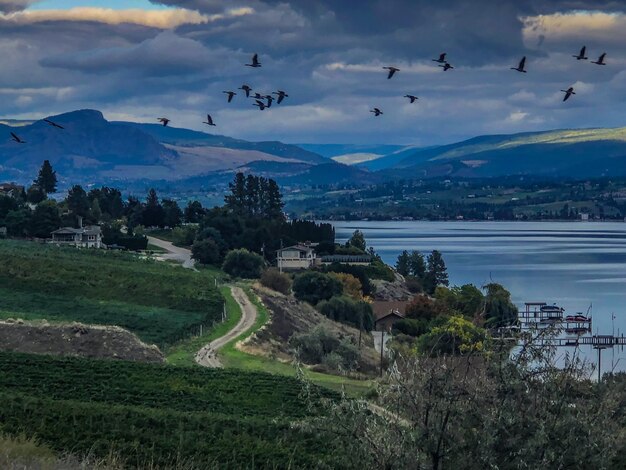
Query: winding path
point(174, 253)
point(207, 356)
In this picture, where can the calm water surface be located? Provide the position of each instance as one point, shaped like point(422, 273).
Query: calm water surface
point(573, 264)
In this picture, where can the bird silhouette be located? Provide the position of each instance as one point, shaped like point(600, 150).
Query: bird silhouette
point(392, 71)
point(446, 67)
point(209, 120)
point(270, 100)
point(520, 67)
point(281, 96)
point(441, 59)
point(260, 104)
point(164, 121)
point(255, 62)
point(581, 54)
point(600, 60)
point(411, 97)
point(230, 95)
point(247, 89)
point(258, 96)
point(17, 139)
point(53, 124)
point(569, 92)
point(377, 112)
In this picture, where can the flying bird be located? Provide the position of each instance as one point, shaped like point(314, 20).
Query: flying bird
point(581, 54)
point(569, 92)
point(230, 95)
point(392, 71)
point(260, 104)
point(53, 124)
point(17, 139)
point(441, 59)
point(258, 96)
point(255, 62)
point(247, 89)
point(446, 67)
point(209, 120)
point(600, 60)
point(281, 96)
point(411, 97)
point(269, 99)
point(164, 121)
point(520, 67)
point(377, 112)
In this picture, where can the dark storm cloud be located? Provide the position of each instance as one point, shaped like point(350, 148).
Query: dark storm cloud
point(10, 6)
point(328, 55)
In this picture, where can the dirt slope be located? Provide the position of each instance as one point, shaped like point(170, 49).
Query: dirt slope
point(75, 339)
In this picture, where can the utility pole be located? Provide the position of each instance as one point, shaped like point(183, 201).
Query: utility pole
point(224, 313)
point(382, 348)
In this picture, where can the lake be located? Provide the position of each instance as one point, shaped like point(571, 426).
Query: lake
point(573, 264)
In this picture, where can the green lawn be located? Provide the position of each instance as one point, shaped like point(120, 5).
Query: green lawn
point(159, 302)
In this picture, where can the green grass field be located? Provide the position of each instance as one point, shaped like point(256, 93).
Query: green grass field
point(159, 414)
point(159, 302)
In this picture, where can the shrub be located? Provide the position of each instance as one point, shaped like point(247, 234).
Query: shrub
point(414, 285)
point(351, 285)
point(346, 310)
point(357, 271)
point(277, 281)
point(411, 327)
point(423, 307)
point(184, 236)
point(456, 336)
point(313, 287)
point(243, 263)
point(320, 346)
point(206, 252)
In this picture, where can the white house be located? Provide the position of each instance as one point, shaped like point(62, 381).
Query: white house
point(82, 237)
point(296, 257)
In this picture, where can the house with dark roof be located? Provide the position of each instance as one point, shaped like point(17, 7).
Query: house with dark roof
point(89, 236)
point(387, 313)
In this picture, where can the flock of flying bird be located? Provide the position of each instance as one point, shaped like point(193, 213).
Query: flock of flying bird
point(265, 101)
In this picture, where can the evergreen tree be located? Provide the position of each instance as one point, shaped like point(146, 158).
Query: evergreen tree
point(236, 200)
point(35, 194)
point(172, 215)
point(153, 214)
point(47, 178)
point(78, 202)
point(274, 201)
point(45, 219)
point(417, 266)
point(252, 196)
point(96, 212)
point(402, 264)
point(437, 272)
point(357, 240)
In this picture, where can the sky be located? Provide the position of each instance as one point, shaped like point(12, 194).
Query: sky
point(139, 60)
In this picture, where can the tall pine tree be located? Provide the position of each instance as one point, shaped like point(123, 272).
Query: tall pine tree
point(236, 200)
point(47, 178)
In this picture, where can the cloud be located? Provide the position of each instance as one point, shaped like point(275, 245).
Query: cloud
point(9, 6)
point(162, 19)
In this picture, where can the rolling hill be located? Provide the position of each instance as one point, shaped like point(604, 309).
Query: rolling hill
point(562, 153)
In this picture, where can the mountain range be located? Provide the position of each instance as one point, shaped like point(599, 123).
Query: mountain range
point(90, 149)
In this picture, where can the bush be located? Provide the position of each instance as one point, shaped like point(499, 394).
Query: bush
point(277, 281)
point(414, 285)
point(206, 252)
point(423, 307)
point(184, 236)
point(322, 347)
point(346, 310)
point(411, 327)
point(313, 287)
point(357, 271)
point(351, 285)
point(243, 263)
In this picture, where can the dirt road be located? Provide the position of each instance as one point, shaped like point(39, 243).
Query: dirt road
point(174, 253)
point(207, 356)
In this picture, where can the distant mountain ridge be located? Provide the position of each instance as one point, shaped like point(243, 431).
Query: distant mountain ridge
point(90, 148)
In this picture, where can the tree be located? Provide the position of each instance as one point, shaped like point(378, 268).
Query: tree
point(313, 286)
point(47, 178)
point(402, 264)
point(347, 310)
point(172, 215)
point(423, 307)
point(35, 194)
point(18, 222)
point(272, 279)
point(236, 200)
point(437, 274)
point(457, 335)
point(242, 263)
point(357, 240)
point(351, 285)
point(499, 310)
point(274, 201)
point(78, 202)
point(206, 252)
point(45, 219)
point(194, 212)
point(153, 214)
point(96, 213)
point(417, 267)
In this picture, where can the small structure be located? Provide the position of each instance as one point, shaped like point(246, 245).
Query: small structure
point(11, 189)
point(296, 257)
point(387, 313)
point(355, 260)
point(81, 237)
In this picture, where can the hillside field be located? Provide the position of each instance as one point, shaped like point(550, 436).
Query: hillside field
point(158, 414)
point(159, 302)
